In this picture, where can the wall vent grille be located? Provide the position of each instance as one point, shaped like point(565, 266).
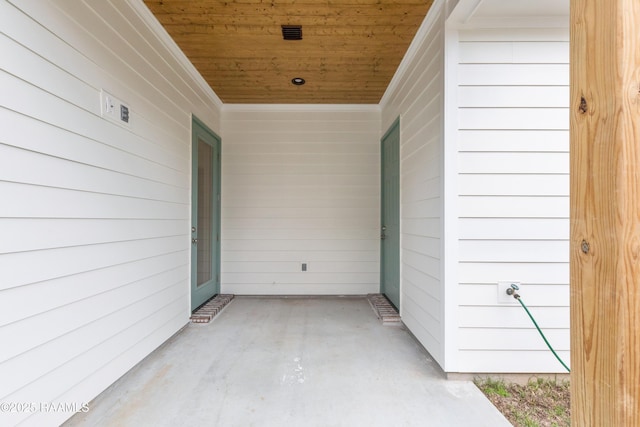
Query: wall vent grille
point(292, 32)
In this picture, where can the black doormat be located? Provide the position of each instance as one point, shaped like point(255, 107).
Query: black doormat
point(208, 310)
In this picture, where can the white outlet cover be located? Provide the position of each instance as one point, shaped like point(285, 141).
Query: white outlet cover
point(503, 297)
point(111, 108)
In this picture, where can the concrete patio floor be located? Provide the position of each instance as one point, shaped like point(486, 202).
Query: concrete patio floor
point(290, 362)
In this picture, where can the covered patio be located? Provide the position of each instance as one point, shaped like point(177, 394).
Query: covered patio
point(275, 361)
point(496, 131)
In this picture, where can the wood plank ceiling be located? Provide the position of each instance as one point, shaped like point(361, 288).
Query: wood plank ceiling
point(348, 54)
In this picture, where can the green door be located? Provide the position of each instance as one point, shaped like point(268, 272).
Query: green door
point(205, 214)
point(390, 215)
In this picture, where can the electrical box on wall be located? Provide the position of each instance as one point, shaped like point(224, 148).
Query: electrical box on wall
point(114, 109)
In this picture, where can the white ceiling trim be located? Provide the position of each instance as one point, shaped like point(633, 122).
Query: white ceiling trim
point(417, 42)
point(553, 21)
point(469, 14)
point(150, 20)
point(286, 108)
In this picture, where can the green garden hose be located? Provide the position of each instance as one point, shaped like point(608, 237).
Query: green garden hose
point(513, 292)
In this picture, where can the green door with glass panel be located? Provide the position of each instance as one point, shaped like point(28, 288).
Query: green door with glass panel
point(205, 214)
point(390, 215)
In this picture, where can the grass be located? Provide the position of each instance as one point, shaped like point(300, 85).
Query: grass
point(497, 388)
point(540, 403)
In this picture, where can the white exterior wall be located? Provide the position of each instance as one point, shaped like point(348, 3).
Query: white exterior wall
point(416, 94)
point(94, 223)
point(94, 245)
point(513, 197)
point(300, 184)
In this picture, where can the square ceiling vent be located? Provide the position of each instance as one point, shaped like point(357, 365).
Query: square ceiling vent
point(292, 32)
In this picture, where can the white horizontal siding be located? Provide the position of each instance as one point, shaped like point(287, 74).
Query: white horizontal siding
point(513, 74)
point(513, 140)
point(514, 206)
point(513, 184)
point(527, 35)
point(526, 272)
point(514, 163)
point(319, 256)
point(525, 228)
point(94, 252)
point(238, 225)
point(417, 96)
point(514, 317)
point(518, 339)
point(513, 250)
point(514, 118)
point(513, 188)
point(538, 295)
point(510, 52)
point(20, 271)
point(513, 97)
point(300, 185)
point(67, 232)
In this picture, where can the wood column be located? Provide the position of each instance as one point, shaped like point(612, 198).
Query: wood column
point(605, 212)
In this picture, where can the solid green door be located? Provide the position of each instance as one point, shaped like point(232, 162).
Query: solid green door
point(390, 215)
point(205, 214)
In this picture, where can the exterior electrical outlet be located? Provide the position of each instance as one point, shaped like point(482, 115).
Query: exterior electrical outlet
point(124, 113)
point(114, 109)
point(503, 296)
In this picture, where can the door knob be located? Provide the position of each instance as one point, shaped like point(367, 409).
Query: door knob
point(194, 241)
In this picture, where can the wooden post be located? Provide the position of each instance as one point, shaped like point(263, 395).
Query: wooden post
point(605, 212)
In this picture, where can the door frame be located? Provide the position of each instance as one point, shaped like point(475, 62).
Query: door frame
point(395, 127)
point(201, 131)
